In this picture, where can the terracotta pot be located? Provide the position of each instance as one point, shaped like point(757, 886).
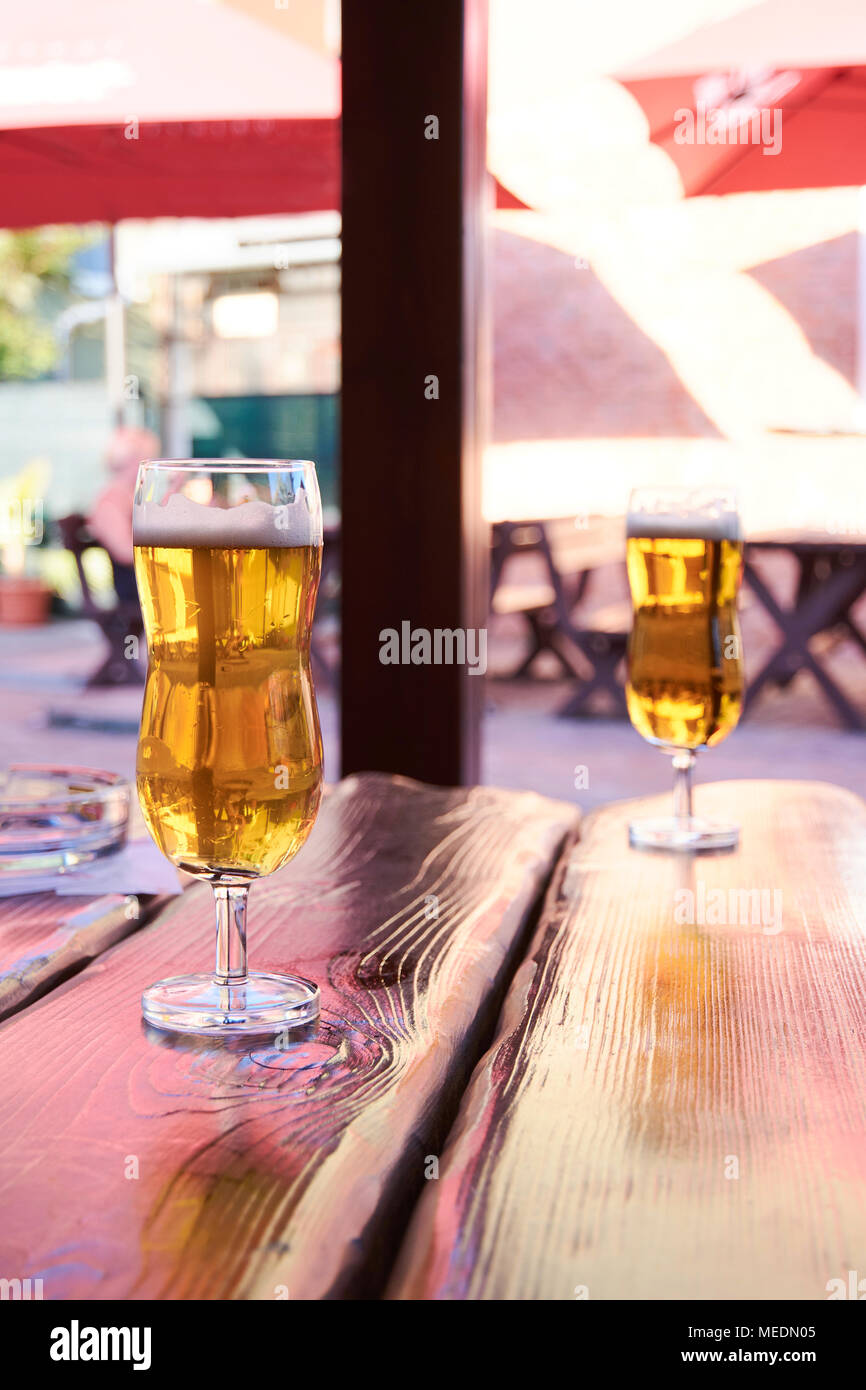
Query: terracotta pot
point(23, 602)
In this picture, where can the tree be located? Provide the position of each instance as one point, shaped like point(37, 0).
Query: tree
point(35, 266)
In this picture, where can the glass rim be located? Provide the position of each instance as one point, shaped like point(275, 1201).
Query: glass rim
point(712, 491)
point(105, 785)
point(228, 465)
point(706, 495)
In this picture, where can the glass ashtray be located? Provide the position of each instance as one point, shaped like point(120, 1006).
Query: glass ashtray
point(54, 818)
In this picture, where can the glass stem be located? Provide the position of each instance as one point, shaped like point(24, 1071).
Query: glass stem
point(684, 761)
point(231, 933)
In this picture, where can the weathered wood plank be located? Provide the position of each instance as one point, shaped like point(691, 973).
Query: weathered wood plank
point(44, 939)
point(640, 1063)
point(263, 1169)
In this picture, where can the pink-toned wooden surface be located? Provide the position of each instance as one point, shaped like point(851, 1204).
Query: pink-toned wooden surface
point(136, 1165)
point(45, 938)
point(671, 1110)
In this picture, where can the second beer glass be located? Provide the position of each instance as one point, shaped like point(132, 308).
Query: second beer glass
point(685, 662)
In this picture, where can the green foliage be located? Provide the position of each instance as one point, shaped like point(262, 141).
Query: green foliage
point(33, 264)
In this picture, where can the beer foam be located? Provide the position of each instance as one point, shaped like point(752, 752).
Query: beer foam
point(685, 525)
point(180, 522)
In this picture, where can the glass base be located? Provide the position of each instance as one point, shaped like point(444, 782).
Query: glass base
point(262, 1005)
point(690, 834)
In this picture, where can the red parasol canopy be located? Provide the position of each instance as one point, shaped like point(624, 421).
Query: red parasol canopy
point(802, 59)
point(181, 108)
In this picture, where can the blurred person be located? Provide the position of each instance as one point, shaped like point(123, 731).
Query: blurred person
point(110, 518)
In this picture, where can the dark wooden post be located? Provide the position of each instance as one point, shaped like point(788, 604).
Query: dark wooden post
point(414, 378)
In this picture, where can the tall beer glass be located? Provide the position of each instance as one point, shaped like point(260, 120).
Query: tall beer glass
point(685, 662)
point(229, 769)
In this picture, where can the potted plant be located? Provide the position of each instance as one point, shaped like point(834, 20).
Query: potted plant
point(24, 599)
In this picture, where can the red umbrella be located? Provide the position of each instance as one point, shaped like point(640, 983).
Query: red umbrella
point(710, 99)
point(180, 108)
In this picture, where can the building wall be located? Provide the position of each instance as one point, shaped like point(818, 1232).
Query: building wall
point(66, 423)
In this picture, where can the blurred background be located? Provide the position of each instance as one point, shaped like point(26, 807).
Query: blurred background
point(671, 303)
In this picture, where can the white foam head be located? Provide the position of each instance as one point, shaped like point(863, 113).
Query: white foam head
point(701, 523)
point(178, 521)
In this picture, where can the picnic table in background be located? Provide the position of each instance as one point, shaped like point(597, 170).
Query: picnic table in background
point(118, 623)
point(568, 552)
point(326, 665)
point(831, 577)
point(394, 1149)
point(123, 618)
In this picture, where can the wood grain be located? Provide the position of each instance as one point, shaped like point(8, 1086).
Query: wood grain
point(44, 938)
point(640, 1061)
point(273, 1171)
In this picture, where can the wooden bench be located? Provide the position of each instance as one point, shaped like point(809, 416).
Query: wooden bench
point(121, 621)
point(511, 539)
point(604, 643)
point(567, 552)
point(325, 641)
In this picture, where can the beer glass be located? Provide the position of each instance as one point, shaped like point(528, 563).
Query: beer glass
point(685, 663)
point(229, 767)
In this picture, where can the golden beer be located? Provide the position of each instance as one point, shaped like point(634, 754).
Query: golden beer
point(685, 666)
point(229, 767)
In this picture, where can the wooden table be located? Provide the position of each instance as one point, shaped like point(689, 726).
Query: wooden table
point(668, 1110)
point(569, 551)
point(141, 1165)
point(831, 578)
point(664, 1109)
